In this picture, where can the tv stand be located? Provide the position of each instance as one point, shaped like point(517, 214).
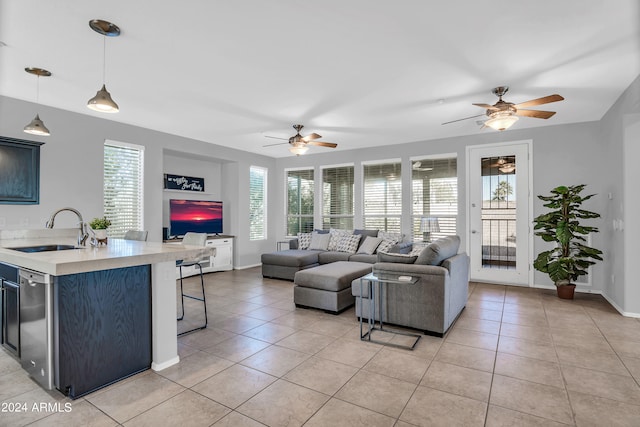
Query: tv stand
point(221, 261)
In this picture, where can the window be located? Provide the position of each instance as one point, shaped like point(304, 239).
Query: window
point(434, 194)
point(299, 201)
point(337, 197)
point(123, 187)
point(382, 196)
point(257, 203)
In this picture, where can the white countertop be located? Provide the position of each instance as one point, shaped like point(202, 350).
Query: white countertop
point(116, 254)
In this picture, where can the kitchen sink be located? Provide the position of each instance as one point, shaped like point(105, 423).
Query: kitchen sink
point(44, 248)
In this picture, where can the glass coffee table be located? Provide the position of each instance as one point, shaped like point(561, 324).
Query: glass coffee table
point(374, 284)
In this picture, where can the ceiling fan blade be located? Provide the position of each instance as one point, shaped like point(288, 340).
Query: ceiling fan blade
point(311, 137)
point(279, 143)
point(275, 137)
point(322, 144)
point(466, 118)
point(537, 114)
point(539, 101)
point(487, 106)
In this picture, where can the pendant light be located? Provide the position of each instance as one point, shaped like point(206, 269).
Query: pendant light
point(37, 127)
point(102, 102)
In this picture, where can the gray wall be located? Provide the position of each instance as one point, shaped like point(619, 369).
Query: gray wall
point(71, 171)
point(591, 153)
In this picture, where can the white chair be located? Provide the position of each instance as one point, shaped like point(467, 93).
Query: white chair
point(136, 235)
point(193, 239)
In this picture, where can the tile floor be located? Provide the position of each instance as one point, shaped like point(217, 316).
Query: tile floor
point(515, 357)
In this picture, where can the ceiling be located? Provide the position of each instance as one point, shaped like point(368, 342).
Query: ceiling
point(361, 73)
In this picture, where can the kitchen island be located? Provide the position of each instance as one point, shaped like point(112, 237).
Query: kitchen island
point(126, 285)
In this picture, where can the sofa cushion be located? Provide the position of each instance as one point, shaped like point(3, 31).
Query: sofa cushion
point(397, 258)
point(369, 245)
point(291, 258)
point(334, 277)
point(348, 243)
point(319, 241)
point(304, 239)
point(335, 237)
point(388, 235)
point(371, 259)
point(439, 250)
point(386, 245)
point(332, 256)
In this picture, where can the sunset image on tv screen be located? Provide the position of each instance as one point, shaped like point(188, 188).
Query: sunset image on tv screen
point(199, 216)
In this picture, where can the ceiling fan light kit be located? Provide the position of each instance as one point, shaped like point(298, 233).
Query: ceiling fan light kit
point(501, 121)
point(36, 126)
point(103, 102)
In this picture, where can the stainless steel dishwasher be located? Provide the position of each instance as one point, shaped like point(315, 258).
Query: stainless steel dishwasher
point(36, 326)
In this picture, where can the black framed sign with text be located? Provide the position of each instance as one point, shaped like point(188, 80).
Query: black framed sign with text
point(181, 182)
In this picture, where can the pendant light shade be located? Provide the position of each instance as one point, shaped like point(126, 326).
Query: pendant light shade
point(298, 148)
point(36, 126)
point(501, 121)
point(103, 102)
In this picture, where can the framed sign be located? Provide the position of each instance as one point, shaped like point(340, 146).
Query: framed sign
point(181, 182)
point(19, 171)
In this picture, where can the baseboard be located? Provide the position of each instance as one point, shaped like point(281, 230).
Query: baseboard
point(244, 267)
point(617, 307)
point(164, 365)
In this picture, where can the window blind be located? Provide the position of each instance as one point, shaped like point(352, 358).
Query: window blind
point(123, 187)
point(337, 197)
point(257, 203)
point(299, 201)
point(382, 196)
point(434, 193)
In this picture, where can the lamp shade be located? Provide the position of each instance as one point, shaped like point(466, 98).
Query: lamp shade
point(37, 127)
point(501, 122)
point(429, 224)
point(102, 102)
point(298, 149)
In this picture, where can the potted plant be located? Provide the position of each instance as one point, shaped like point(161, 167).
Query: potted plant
point(99, 227)
point(571, 257)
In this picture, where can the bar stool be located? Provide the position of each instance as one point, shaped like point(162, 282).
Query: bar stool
point(193, 239)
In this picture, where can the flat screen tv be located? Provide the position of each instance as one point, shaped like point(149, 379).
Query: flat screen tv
point(199, 216)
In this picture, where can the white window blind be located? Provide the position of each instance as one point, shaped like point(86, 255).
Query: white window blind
point(382, 196)
point(337, 197)
point(299, 201)
point(257, 203)
point(434, 193)
point(123, 187)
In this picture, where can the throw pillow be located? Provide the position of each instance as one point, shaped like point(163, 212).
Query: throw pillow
point(335, 237)
point(397, 258)
point(348, 243)
point(304, 239)
point(387, 235)
point(439, 250)
point(369, 245)
point(386, 245)
point(319, 241)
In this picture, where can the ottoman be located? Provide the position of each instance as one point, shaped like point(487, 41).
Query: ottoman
point(328, 286)
point(285, 264)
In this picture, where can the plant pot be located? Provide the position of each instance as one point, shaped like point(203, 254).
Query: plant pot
point(566, 291)
point(100, 234)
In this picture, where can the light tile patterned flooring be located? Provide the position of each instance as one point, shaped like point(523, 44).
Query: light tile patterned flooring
point(515, 357)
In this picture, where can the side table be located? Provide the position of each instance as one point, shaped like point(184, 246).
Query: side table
point(282, 243)
point(374, 285)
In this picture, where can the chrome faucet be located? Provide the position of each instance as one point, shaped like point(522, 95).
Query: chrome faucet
point(82, 232)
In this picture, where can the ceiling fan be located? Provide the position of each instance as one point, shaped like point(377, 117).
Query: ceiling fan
point(417, 166)
point(300, 144)
point(503, 114)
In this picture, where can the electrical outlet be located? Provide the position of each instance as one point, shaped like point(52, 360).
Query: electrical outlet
point(613, 279)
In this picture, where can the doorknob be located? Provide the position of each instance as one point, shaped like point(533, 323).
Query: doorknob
point(473, 231)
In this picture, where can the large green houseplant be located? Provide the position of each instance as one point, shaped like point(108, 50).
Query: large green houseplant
point(562, 225)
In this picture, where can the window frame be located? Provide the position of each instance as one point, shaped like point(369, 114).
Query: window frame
point(253, 235)
point(386, 218)
point(299, 216)
point(339, 216)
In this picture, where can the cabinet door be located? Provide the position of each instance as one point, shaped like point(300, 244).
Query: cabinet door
point(223, 256)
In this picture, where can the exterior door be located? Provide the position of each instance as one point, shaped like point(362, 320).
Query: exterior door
point(499, 213)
